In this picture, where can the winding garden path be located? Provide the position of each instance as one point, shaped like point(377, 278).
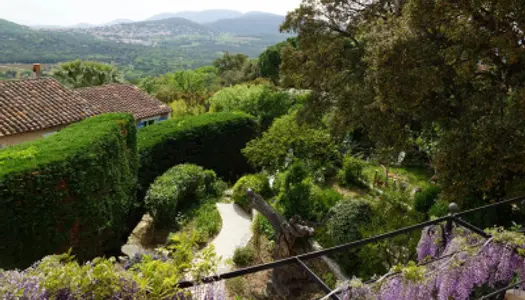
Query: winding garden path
point(236, 232)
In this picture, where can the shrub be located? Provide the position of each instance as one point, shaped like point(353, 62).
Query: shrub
point(352, 171)
point(286, 141)
point(210, 140)
point(438, 209)
point(181, 109)
point(74, 189)
point(344, 226)
point(300, 196)
point(259, 183)
point(243, 257)
point(260, 101)
point(424, 200)
point(261, 226)
point(180, 187)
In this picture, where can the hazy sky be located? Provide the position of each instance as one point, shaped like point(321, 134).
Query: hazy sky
point(69, 12)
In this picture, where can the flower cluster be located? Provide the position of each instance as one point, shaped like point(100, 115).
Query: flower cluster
point(146, 276)
point(466, 262)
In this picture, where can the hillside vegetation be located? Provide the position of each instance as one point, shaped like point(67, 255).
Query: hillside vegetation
point(142, 48)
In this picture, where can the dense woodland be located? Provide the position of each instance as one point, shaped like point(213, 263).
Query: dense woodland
point(376, 115)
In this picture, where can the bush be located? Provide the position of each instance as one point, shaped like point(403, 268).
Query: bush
point(261, 226)
point(424, 200)
point(259, 183)
point(210, 140)
point(180, 187)
point(260, 101)
point(243, 257)
point(438, 209)
point(287, 141)
point(352, 171)
point(181, 109)
point(300, 196)
point(74, 189)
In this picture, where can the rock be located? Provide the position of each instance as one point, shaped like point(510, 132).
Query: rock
point(131, 250)
point(143, 234)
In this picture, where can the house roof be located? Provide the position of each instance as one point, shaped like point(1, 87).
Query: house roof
point(36, 104)
point(124, 98)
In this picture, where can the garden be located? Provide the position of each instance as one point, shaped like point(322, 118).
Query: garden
point(374, 121)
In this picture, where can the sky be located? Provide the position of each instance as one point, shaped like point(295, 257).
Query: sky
point(69, 12)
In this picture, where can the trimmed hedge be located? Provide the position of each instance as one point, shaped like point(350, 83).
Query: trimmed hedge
point(213, 141)
point(71, 190)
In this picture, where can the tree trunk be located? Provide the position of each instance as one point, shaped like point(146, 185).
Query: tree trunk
point(291, 240)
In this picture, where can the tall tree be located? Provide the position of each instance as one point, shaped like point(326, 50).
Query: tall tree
point(270, 60)
point(396, 68)
point(78, 73)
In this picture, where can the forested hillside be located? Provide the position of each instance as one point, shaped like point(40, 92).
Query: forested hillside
point(140, 48)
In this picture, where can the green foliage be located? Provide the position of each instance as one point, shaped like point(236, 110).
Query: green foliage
point(78, 74)
point(237, 286)
point(73, 189)
point(243, 257)
point(352, 172)
point(257, 182)
point(414, 73)
point(194, 87)
point(191, 47)
point(287, 140)
point(181, 109)
point(300, 196)
point(236, 68)
point(261, 226)
point(260, 101)
point(348, 217)
point(426, 199)
point(270, 60)
point(212, 141)
point(180, 187)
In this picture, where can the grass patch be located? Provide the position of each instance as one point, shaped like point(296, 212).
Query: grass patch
point(415, 177)
point(204, 221)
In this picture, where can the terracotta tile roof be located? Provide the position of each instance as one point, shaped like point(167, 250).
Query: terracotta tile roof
point(124, 98)
point(36, 104)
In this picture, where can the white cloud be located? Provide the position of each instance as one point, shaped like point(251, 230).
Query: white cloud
point(68, 12)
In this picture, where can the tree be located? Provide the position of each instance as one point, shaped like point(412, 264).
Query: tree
point(260, 101)
point(236, 68)
point(287, 140)
point(78, 73)
point(270, 60)
point(398, 68)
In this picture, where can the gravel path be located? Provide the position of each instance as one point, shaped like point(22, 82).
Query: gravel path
point(236, 232)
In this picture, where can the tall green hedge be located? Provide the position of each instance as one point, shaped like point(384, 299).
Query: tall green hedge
point(72, 190)
point(213, 141)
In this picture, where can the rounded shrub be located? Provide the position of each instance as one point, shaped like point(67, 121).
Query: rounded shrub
point(257, 182)
point(301, 196)
point(352, 171)
point(180, 187)
point(243, 256)
point(424, 200)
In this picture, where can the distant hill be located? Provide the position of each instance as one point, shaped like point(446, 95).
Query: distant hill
point(253, 23)
point(149, 33)
point(205, 16)
point(141, 48)
point(118, 21)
